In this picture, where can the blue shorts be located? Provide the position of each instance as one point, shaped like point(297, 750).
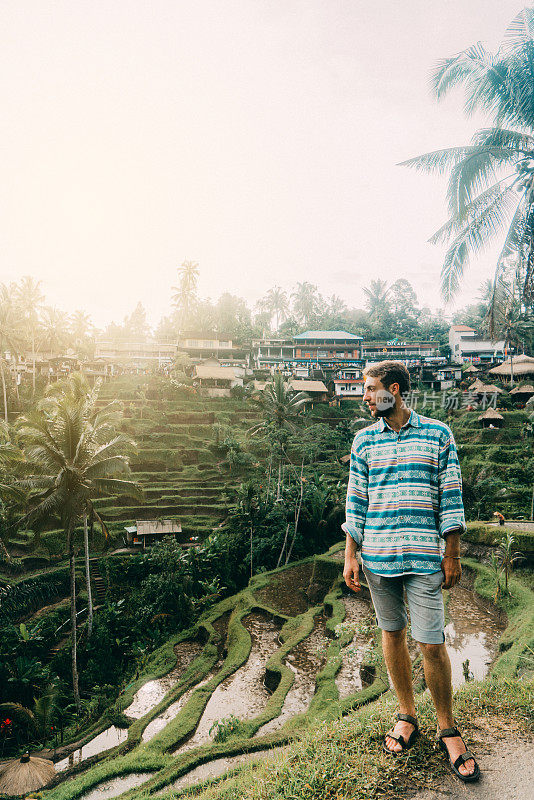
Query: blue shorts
point(425, 604)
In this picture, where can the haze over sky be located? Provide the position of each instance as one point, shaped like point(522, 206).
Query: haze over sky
point(257, 137)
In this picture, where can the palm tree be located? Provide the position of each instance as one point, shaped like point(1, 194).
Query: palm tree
point(280, 408)
point(81, 328)
point(377, 300)
point(10, 337)
point(491, 183)
point(185, 297)
point(73, 455)
point(278, 304)
point(306, 302)
point(55, 325)
point(30, 300)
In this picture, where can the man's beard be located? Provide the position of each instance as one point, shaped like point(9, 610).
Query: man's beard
point(384, 412)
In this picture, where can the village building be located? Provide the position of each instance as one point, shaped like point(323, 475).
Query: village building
point(134, 357)
point(348, 382)
point(201, 346)
point(467, 346)
point(522, 365)
point(412, 354)
point(315, 389)
point(215, 380)
point(328, 351)
point(491, 419)
point(523, 393)
point(147, 532)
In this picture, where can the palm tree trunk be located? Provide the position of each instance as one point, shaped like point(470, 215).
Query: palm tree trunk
point(88, 577)
point(4, 391)
point(72, 569)
point(511, 369)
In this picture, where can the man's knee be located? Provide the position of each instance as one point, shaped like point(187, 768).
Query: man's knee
point(432, 652)
point(394, 637)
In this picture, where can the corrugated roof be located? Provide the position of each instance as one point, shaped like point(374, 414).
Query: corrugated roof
point(157, 526)
point(462, 328)
point(307, 386)
point(213, 371)
point(328, 335)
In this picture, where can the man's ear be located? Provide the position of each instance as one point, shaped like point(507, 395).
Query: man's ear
point(394, 388)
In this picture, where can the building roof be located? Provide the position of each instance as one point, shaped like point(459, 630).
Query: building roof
point(471, 368)
point(307, 386)
point(528, 389)
point(490, 413)
point(146, 527)
point(327, 335)
point(461, 328)
point(214, 371)
point(523, 365)
point(489, 388)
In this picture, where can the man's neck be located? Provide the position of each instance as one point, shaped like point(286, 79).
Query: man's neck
point(399, 417)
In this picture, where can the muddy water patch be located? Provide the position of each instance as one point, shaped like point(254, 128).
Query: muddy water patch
point(472, 633)
point(116, 786)
point(109, 738)
point(153, 692)
point(295, 590)
point(358, 616)
point(243, 693)
point(305, 660)
point(214, 769)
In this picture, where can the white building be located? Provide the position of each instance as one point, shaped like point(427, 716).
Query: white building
point(467, 346)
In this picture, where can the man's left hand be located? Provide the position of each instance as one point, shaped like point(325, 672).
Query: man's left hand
point(452, 570)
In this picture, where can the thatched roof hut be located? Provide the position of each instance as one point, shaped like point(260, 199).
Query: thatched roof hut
point(491, 418)
point(471, 368)
point(523, 392)
point(522, 365)
point(26, 774)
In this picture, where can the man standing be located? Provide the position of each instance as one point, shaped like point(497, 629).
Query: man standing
point(404, 512)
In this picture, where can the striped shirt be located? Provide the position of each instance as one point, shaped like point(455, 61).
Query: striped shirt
point(404, 495)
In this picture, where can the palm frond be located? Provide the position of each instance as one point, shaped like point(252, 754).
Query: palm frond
point(116, 486)
point(473, 238)
point(461, 219)
point(472, 175)
point(440, 160)
point(482, 75)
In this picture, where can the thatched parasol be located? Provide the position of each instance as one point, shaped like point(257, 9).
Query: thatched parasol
point(471, 368)
point(26, 774)
point(522, 365)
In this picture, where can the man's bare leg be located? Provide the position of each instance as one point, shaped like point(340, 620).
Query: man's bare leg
point(399, 666)
point(437, 668)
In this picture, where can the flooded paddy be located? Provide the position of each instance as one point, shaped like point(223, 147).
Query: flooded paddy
point(294, 591)
point(153, 692)
point(472, 633)
point(349, 679)
point(109, 738)
point(218, 767)
point(305, 661)
point(116, 786)
point(243, 693)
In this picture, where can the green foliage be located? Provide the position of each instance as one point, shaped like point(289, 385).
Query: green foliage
point(222, 729)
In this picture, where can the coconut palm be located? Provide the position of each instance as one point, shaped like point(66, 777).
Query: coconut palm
point(29, 299)
point(72, 456)
point(306, 302)
point(185, 297)
point(280, 408)
point(491, 183)
point(10, 337)
point(377, 299)
point(277, 303)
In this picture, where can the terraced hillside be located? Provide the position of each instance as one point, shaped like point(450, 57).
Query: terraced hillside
point(180, 464)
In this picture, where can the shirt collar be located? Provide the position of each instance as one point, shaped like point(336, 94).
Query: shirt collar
point(412, 420)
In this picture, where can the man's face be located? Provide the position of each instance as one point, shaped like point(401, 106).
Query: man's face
point(380, 400)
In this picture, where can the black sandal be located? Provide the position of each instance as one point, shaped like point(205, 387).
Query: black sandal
point(405, 745)
point(449, 733)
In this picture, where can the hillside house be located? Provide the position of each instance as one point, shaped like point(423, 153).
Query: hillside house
point(147, 532)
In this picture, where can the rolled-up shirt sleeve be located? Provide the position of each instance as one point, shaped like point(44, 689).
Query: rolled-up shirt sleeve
point(357, 494)
point(451, 507)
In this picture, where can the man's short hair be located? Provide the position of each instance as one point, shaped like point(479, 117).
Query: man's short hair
point(389, 372)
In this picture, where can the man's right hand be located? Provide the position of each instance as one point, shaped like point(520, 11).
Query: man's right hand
point(351, 573)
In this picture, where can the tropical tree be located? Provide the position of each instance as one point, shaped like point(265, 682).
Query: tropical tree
point(306, 302)
point(185, 294)
point(491, 182)
point(54, 329)
point(278, 304)
point(377, 300)
point(29, 299)
point(72, 456)
point(10, 338)
point(280, 408)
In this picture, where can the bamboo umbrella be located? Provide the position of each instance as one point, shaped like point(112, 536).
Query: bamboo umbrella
point(26, 774)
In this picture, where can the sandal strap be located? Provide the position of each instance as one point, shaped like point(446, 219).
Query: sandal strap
point(463, 758)
point(448, 733)
point(408, 718)
point(399, 739)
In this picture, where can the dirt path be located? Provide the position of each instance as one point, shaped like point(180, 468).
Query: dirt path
point(506, 759)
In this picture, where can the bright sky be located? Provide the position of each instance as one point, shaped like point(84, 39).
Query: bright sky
point(257, 137)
